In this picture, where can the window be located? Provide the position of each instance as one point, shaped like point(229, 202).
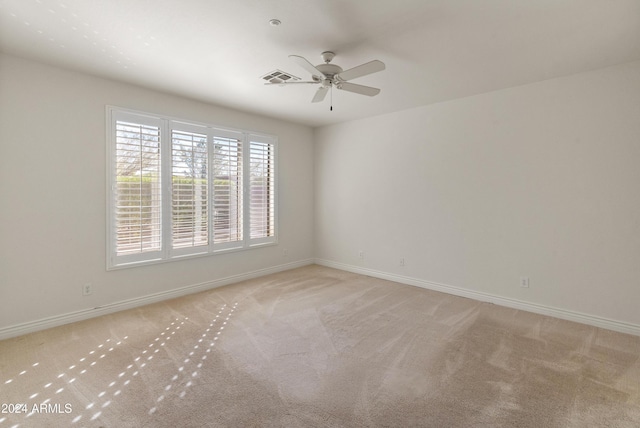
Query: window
point(179, 189)
point(137, 201)
point(189, 190)
point(262, 190)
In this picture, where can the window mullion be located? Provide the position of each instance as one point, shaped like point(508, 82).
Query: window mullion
point(212, 190)
point(246, 190)
point(165, 177)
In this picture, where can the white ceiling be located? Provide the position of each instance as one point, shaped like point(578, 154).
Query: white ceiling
point(216, 51)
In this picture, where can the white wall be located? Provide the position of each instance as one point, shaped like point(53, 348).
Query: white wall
point(53, 202)
point(540, 180)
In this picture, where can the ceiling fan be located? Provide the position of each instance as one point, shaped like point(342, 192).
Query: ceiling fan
point(329, 75)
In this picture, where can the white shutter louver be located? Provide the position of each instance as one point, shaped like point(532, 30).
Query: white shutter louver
point(227, 190)
point(190, 189)
point(262, 190)
point(137, 190)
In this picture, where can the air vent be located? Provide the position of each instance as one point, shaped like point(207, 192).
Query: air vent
point(279, 76)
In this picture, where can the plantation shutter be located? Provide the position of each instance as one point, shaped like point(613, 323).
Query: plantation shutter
point(190, 189)
point(262, 205)
point(227, 191)
point(137, 192)
point(180, 189)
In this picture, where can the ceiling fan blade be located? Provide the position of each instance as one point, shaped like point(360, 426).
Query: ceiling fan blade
point(302, 62)
point(320, 94)
point(358, 89)
point(361, 70)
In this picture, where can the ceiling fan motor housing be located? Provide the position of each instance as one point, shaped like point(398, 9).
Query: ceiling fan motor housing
point(329, 70)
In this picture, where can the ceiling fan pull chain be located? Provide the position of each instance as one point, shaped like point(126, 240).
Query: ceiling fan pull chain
point(331, 100)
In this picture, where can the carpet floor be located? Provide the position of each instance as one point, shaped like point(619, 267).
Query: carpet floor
point(318, 347)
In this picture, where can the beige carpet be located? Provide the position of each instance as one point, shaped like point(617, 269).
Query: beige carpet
point(317, 347)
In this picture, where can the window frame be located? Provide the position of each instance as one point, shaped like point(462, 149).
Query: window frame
point(166, 126)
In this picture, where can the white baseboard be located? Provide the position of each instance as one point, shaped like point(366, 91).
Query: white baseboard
point(564, 314)
point(45, 323)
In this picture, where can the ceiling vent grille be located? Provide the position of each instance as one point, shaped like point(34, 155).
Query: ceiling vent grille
point(279, 76)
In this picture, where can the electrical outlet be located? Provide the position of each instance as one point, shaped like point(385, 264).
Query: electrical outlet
point(87, 290)
point(524, 282)
point(361, 254)
point(285, 253)
point(402, 261)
